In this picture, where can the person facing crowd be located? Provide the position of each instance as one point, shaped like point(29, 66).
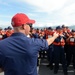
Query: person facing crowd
point(18, 53)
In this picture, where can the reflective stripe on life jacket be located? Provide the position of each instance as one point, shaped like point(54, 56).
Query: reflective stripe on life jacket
point(71, 41)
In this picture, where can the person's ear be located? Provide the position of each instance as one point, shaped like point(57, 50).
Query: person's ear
point(23, 26)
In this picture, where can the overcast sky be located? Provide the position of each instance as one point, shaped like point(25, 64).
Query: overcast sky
point(44, 12)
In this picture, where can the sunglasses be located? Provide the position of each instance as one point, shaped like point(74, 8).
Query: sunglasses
point(30, 24)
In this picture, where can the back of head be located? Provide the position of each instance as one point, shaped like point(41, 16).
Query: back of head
point(58, 28)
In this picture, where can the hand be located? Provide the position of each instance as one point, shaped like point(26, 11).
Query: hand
point(61, 35)
point(56, 35)
point(70, 36)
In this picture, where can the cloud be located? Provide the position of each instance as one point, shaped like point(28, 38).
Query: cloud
point(39, 24)
point(4, 24)
point(3, 3)
point(31, 15)
point(68, 10)
point(46, 5)
point(60, 11)
point(45, 12)
point(5, 16)
point(67, 14)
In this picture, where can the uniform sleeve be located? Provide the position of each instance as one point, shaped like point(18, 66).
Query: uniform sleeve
point(41, 43)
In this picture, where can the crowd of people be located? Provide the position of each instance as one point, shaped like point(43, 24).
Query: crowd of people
point(61, 50)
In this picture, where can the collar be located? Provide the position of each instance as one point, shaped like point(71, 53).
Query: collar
point(18, 34)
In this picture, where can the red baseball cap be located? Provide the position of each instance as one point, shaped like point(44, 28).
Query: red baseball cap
point(20, 19)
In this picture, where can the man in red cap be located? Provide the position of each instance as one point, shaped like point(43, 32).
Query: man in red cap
point(18, 53)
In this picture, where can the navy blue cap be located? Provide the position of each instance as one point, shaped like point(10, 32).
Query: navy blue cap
point(5, 28)
point(50, 28)
point(58, 27)
point(73, 30)
point(63, 26)
point(9, 27)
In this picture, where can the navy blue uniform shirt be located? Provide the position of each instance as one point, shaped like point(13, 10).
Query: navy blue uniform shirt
point(18, 54)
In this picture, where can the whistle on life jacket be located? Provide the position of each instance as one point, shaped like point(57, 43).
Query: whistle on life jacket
point(62, 42)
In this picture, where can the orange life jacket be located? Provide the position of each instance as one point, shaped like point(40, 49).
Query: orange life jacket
point(49, 34)
point(61, 43)
point(71, 41)
point(8, 33)
point(1, 34)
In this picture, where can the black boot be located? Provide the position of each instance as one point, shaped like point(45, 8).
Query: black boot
point(65, 73)
point(51, 67)
point(55, 71)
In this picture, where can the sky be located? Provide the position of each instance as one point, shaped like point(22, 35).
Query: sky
point(46, 13)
